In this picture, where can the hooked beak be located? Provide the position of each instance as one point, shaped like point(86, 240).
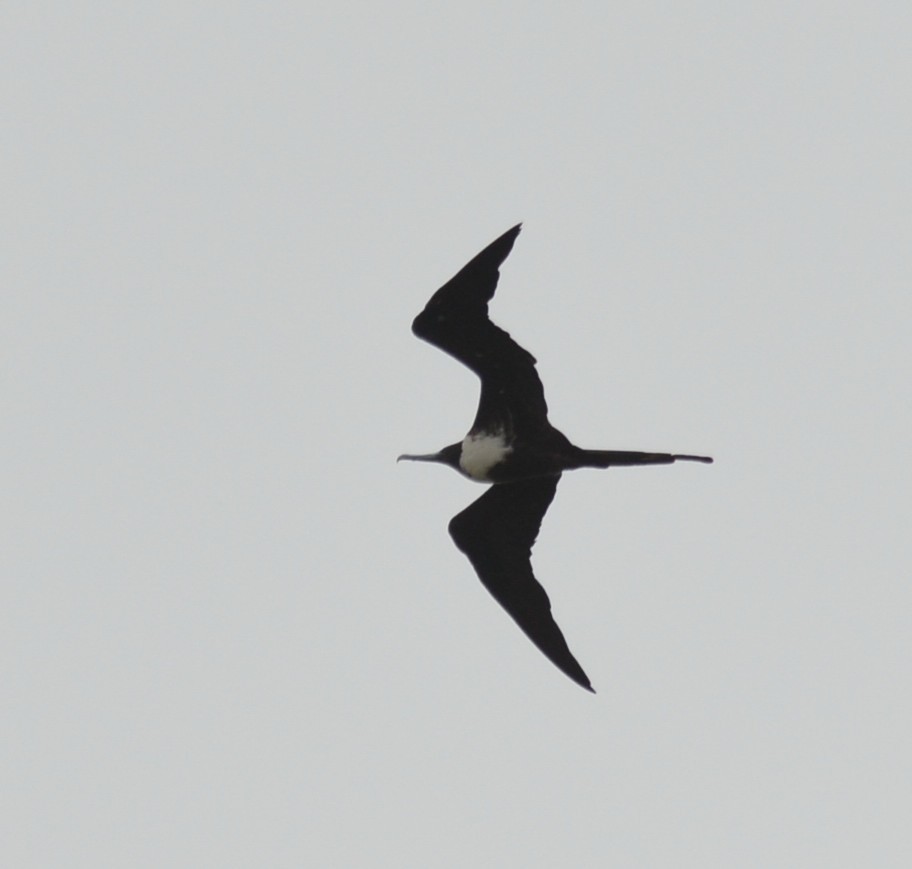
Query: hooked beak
point(426, 457)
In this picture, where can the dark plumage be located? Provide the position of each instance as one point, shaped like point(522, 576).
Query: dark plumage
point(510, 444)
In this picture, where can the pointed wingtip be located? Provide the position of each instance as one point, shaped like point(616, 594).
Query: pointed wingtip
point(580, 678)
point(509, 237)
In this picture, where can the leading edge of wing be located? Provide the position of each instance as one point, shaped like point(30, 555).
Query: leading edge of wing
point(496, 532)
point(456, 321)
point(473, 286)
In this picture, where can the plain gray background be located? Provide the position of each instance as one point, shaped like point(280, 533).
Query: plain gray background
point(236, 633)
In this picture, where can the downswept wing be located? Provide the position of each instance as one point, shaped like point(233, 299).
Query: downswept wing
point(456, 321)
point(497, 533)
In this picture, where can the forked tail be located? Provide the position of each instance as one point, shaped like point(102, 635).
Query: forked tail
point(609, 458)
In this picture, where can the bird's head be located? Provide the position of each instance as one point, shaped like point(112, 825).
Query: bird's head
point(447, 456)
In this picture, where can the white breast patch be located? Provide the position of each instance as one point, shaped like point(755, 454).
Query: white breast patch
point(482, 452)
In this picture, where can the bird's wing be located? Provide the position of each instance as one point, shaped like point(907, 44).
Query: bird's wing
point(497, 533)
point(456, 320)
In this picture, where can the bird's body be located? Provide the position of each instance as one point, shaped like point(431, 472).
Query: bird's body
point(482, 453)
point(512, 445)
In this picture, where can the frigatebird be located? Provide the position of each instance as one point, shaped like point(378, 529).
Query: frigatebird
point(513, 446)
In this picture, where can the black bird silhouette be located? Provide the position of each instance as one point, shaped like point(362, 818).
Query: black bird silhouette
point(512, 445)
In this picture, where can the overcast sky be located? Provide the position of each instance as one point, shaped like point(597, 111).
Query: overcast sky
point(234, 632)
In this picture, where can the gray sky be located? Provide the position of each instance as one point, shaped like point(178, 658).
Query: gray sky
point(236, 633)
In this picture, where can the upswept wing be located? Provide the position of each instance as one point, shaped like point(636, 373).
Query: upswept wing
point(497, 533)
point(456, 321)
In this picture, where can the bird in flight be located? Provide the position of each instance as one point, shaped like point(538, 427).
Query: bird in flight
point(511, 445)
